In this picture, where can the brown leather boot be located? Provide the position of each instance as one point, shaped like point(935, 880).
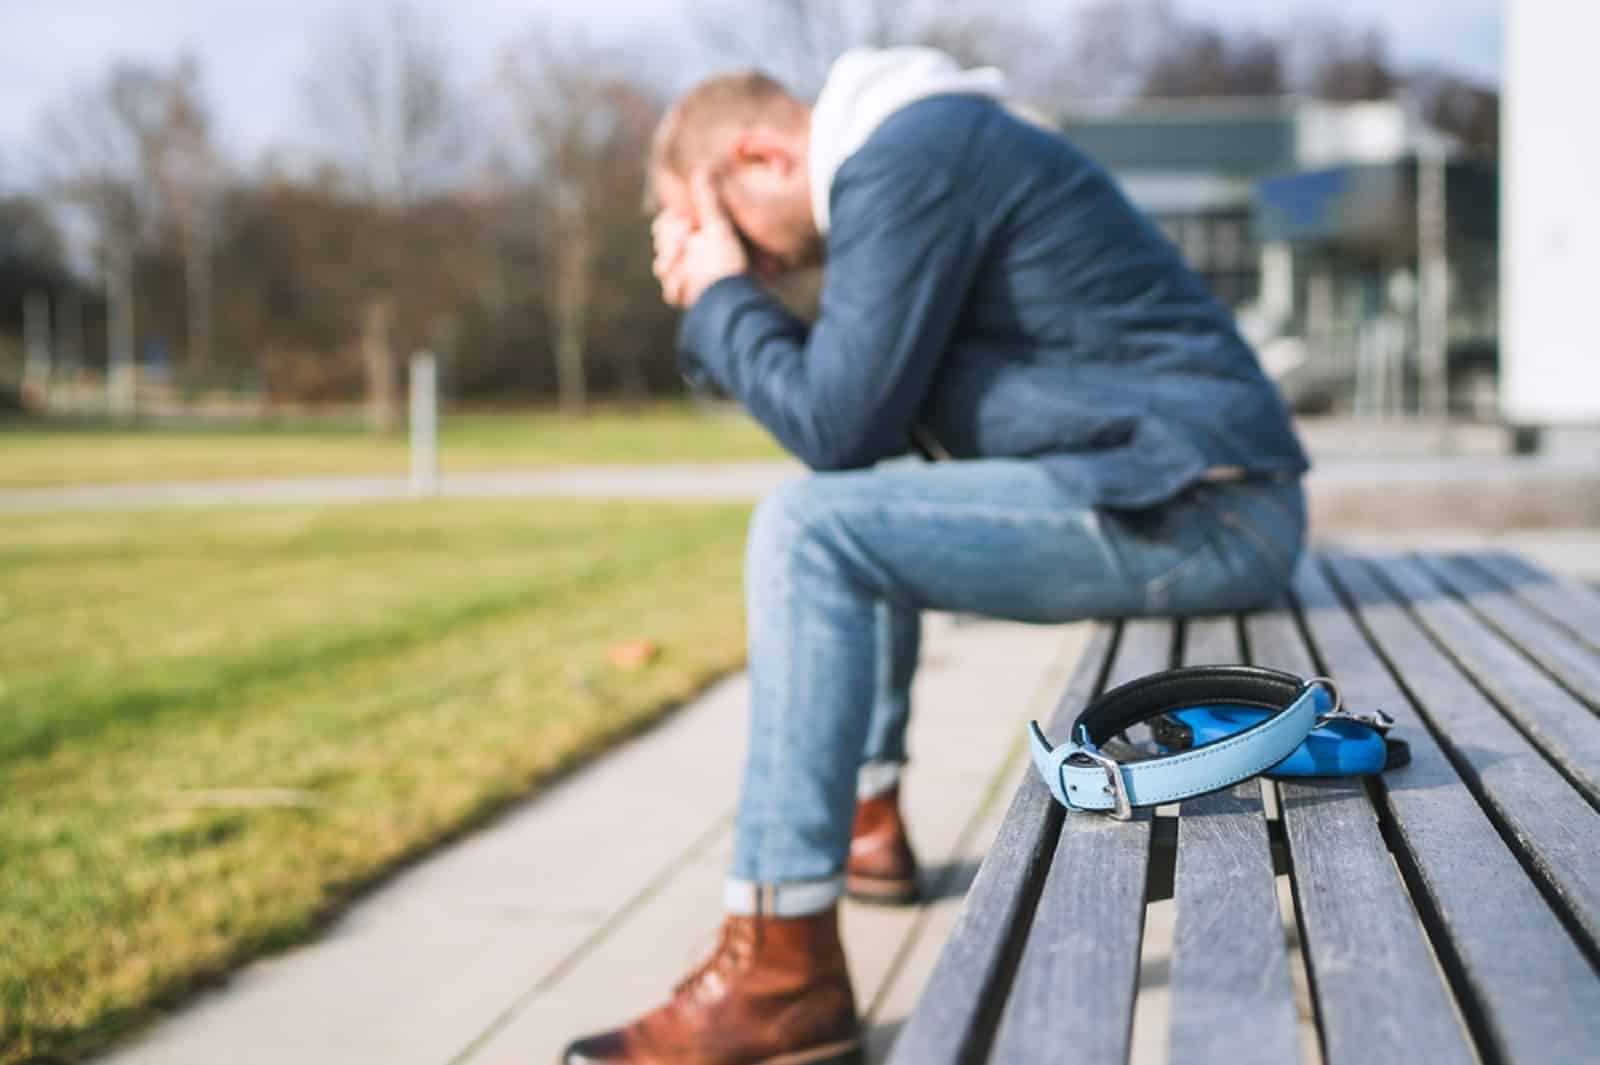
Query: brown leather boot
point(775, 991)
point(881, 867)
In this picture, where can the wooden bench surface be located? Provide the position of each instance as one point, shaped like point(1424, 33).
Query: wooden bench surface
point(1447, 912)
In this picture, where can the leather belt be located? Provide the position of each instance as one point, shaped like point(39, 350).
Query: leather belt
point(1081, 776)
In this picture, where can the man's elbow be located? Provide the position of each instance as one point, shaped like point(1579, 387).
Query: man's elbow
point(837, 452)
point(829, 463)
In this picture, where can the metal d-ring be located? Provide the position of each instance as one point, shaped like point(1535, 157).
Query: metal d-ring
point(1333, 689)
point(1376, 720)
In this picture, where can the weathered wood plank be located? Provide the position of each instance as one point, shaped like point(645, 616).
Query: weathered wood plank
point(1526, 989)
point(1379, 999)
point(1557, 832)
point(1211, 640)
point(1229, 956)
point(1563, 728)
point(1573, 663)
point(1072, 997)
point(955, 1015)
point(1571, 602)
point(1146, 646)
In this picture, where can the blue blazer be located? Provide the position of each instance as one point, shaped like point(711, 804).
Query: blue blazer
point(989, 283)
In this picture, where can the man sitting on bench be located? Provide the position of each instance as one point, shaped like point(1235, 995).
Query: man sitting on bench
point(991, 299)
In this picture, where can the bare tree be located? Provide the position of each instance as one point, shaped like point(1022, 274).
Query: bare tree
point(30, 263)
point(102, 146)
point(1462, 108)
point(380, 92)
point(188, 173)
point(579, 129)
point(1331, 60)
point(797, 41)
point(28, 235)
point(134, 151)
point(1200, 60)
point(793, 40)
point(381, 96)
point(1109, 48)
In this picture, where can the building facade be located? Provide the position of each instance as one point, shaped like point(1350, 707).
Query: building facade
point(1355, 245)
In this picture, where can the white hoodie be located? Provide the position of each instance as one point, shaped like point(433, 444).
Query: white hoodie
point(867, 85)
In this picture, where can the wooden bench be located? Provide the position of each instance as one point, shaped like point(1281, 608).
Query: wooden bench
point(1449, 912)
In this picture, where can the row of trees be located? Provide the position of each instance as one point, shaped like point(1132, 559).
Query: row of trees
point(403, 233)
point(502, 227)
point(1108, 51)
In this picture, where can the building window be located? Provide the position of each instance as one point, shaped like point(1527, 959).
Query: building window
point(1196, 243)
point(1229, 245)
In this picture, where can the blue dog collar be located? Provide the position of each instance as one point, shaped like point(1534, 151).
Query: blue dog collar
point(1081, 776)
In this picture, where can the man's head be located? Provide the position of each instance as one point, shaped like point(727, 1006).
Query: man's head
point(753, 139)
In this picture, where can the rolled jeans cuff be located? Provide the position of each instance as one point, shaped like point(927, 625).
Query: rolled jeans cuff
point(875, 778)
point(801, 898)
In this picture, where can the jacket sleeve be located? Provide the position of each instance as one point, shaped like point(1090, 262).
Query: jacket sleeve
point(846, 392)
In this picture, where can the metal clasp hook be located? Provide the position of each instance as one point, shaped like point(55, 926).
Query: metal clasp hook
point(1377, 719)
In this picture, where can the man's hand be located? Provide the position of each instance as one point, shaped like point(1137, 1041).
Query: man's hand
point(670, 231)
point(691, 256)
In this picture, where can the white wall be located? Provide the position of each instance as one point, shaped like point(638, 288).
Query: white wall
point(1550, 214)
point(1336, 134)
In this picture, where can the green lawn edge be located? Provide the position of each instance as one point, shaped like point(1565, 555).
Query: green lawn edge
point(114, 1025)
point(43, 555)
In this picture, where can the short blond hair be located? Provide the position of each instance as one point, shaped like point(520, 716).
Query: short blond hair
point(697, 128)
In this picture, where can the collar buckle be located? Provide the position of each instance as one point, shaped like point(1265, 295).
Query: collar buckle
point(1116, 787)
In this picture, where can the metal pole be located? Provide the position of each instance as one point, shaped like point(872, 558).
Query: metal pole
point(36, 365)
point(424, 425)
point(71, 332)
point(121, 370)
point(198, 270)
point(1432, 282)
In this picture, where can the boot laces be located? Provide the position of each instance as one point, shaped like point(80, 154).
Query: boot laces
point(734, 940)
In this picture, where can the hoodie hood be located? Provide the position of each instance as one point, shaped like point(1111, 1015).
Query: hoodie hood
point(867, 85)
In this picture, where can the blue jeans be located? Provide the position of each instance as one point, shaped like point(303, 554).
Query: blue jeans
point(838, 567)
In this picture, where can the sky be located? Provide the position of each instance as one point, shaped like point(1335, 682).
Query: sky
point(255, 54)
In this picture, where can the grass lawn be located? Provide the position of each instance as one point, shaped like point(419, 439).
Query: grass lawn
point(34, 455)
point(214, 726)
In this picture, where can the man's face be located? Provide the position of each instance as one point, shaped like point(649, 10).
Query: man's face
point(769, 204)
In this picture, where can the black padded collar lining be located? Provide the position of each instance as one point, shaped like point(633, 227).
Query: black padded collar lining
point(1174, 689)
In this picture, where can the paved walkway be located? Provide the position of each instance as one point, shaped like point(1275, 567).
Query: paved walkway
point(1347, 492)
point(1541, 509)
point(582, 906)
point(735, 481)
point(707, 481)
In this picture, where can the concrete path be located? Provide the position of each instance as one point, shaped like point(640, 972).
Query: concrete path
point(735, 481)
point(1346, 491)
point(1547, 510)
point(581, 907)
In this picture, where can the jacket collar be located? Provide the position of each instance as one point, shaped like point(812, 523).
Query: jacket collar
point(867, 85)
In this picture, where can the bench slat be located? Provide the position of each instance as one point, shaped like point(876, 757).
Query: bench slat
point(1229, 956)
point(1552, 646)
point(1568, 601)
point(1558, 832)
point(1377, 999)
point(953, 1016)
point(1075, 983)
point(1566, 730)
point(1523, 984)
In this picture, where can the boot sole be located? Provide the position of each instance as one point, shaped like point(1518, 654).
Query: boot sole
point(882, 892)
point(845, 1053)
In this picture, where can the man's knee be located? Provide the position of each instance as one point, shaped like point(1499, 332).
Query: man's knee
point(804, 522)
point(793, 510)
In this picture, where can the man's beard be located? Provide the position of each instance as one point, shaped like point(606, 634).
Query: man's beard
point(810, 252)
